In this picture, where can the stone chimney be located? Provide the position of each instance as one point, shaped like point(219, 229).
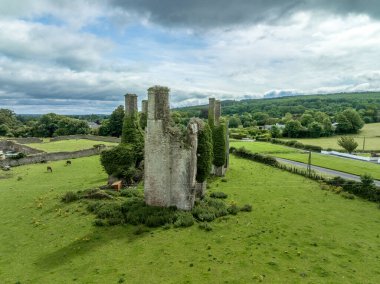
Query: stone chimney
point(144, 106)
point(130, 104)
point(218, 112)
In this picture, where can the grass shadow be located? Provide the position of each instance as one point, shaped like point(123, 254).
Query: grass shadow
point(89, 242)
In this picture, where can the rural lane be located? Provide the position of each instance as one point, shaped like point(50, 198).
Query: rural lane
point(324, 170)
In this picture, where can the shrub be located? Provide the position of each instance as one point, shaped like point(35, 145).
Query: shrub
point(140, 229)
point(184, 219)
point(246, 208)
point(100, 223)
point(130, 193)
point(217, 194)
point(347, 195)
point(70, 197)
point(119, 161)
point(205, 226)
point(298, 145)
point(243, 153)
point(233, 209)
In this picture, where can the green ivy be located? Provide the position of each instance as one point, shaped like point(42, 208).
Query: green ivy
point(204, 153)
point(219, 144)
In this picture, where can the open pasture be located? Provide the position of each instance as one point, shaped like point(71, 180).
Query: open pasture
point(67, 145)
point(330, 162)
point(295, 233)
point(371, 132)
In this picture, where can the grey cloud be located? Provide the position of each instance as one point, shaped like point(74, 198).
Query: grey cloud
point(224, 13)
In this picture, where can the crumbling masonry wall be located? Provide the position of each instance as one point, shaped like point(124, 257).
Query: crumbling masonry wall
point(170, 156)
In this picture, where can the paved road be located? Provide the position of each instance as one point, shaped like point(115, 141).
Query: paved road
point(324, 170)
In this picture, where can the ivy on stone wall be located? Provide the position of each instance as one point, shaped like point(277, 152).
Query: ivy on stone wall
point(219, 144)
point(133, 135)
point(204, 153)
point(143, 120)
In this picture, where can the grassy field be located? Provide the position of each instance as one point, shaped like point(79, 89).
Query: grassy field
point(335, 163)
point(370, 131)
point(68, 145)
point(296, 233)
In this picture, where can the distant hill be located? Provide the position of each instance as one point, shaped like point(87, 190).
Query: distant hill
point(278, 107)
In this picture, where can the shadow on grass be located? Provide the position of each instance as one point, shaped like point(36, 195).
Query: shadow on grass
point(97, 238)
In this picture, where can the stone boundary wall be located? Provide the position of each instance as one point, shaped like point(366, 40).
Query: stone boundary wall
point(38, 158)
point(27, 140)
point(89, 137)
point(8, 145)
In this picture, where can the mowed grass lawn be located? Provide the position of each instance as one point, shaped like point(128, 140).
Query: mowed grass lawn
point(330, 162)
point(68, 145)
point(370, 131)
point(296, 233)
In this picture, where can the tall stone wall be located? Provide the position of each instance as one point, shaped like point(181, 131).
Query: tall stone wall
point(89, 137)
point(7, 145)
point(170, 159)
point(45, 157)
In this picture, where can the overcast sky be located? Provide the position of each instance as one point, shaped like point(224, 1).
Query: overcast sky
point(83, 56)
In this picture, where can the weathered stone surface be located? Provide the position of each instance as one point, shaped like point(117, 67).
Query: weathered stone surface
point(144, 106)
point(170, 160)
point(130, 104)
point(200, 189)
point(211, 109)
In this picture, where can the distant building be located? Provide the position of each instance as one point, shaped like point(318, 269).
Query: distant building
point(269, 126)
point(93, 125)
point(2, 155)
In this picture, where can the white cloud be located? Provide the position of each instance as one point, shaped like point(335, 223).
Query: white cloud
point(44, 63)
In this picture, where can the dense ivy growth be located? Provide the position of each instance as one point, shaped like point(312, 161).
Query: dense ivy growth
point(219, 144)
point(204, 153)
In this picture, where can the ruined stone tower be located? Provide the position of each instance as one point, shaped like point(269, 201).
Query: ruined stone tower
point(130, 104)
point(170, 156)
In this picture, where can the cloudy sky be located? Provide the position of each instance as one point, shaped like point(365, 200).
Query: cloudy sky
point(83, 56)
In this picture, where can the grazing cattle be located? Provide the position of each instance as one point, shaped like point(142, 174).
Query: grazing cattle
point(49, 169)
point(68, 163)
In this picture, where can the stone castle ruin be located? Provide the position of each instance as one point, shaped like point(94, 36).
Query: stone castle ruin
point(170, 158)
point(170, 153)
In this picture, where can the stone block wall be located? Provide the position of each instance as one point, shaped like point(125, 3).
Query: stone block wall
point(45, 157)
point(7, 145)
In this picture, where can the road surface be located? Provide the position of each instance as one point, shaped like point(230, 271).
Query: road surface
point(324, 170)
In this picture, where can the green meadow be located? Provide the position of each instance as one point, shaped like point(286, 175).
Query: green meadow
point(330, 162)
point(371, 132)
point(68, 145)
point(296, 233)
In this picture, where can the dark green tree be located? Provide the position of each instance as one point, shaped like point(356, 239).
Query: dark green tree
point(348, 143)
point(349, 121)
point(219, 145)
point(315, 129)
point(204, 153)
point(292, 129)
point(115, 122)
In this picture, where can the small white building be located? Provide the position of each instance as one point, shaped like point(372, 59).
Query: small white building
point(2, 155)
